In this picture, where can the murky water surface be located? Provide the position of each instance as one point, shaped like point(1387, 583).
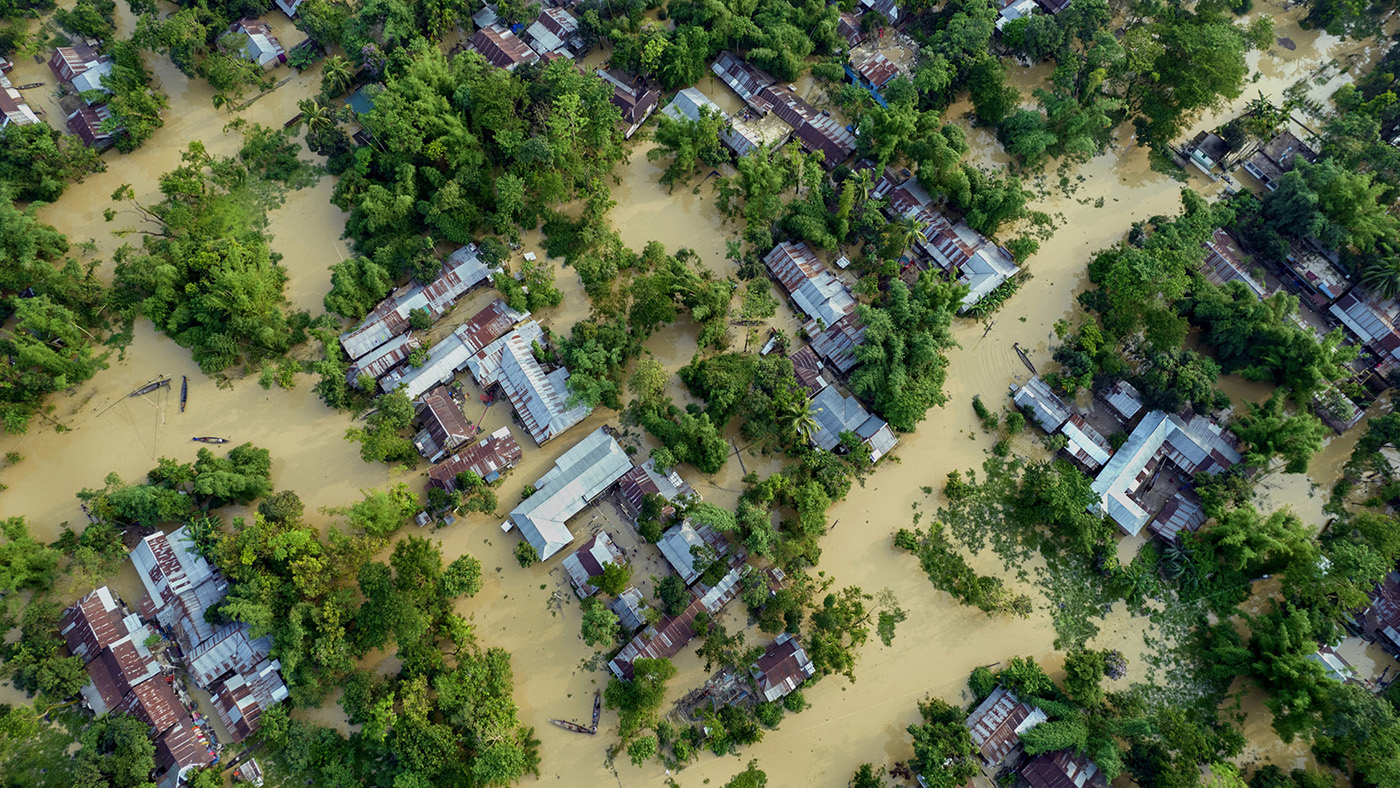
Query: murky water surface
point(934, 649)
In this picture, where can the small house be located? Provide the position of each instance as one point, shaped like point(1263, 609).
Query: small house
point(253, 41)
point(289, 7)
point(1380, 621)
point(95, 622)
point(745, 80)
point(644, 480)
point(487, 458)
point(67, 63)
point(782, 668)
point(815, 130)
point(1063, 769)
point(997, 723)
point(1207, 150)
point(588, 561)
point(1042, 404)
point(1277, 158)
point(1183, 513)
point(631, 608)
point(554, 31)
point(116, 670)
point(154, 703)
point(249, 771)
point(1084, 445)
point(242, 698)
point(836, 344)
point(885, 8)
point(230, 650)
point(540, 399)
point(809, 370)
point(14, 110)
point(848, 27)
point(678, 545)
point(1016, 9)
point(1123, 401)
point(1371, 321)
point(1224, 265)
point(667, 637)
point(501, 48)
point(90, 124)
point(632, 97)
point(183, 749)
point(445, 427)
point(836, 413)
point(818, 292)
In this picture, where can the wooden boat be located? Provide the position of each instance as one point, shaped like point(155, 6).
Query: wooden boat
point(209, 439)
point(1024, 359)
point(572, 726)
point(184, 391)
point(597, 709)
point(149, 387)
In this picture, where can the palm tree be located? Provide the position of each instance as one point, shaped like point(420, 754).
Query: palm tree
point(863, 182)
point(908, 231)
point(315, 115)
point(336, 75)
point(1382, 276)
point(799, 418)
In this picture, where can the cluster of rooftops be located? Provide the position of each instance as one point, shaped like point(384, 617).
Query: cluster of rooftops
point(996, 727)
point(137, 662)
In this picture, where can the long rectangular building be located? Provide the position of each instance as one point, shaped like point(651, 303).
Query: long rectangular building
point(583, 473)
point(462, 271)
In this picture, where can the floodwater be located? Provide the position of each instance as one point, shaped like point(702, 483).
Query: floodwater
point(520, 610)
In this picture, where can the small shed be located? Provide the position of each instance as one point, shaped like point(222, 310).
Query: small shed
point(630, 607)
point(1042, 404)
point(587, 563)
point(1123, 401)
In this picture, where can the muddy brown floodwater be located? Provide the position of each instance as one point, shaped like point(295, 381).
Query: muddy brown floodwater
point(934, 650)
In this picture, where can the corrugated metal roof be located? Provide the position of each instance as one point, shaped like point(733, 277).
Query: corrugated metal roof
point(230, 650)
point(184, 747)
point(94, 623)
point(241, 700)
point(782, 668)
point(807, 368)
point(1063, 769)
point(1368, 323)
point(445, 427)
point(1085, 444)
point(837, 343)
point(997, 723)
point(630, 608)
point(1124, 400)
point(588, 560)
point(379, 361)
point(1183, 512)
point(744, 80)
point(154, 703)
point(816, 290)
point(1222, 265)
point(583, 473)
point(461, 271)
point(169, 565)
point(836, 413)
point(487, 458)
point(669, 636)
point(539, 399)
point(1046, 407)
point(501, 48)
point(676, 544)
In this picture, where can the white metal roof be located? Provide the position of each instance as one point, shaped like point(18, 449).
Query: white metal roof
point(587, 469)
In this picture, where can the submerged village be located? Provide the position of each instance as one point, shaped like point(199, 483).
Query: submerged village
point(672, 393)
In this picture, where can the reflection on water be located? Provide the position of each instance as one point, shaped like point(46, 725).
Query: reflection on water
point(934, 650)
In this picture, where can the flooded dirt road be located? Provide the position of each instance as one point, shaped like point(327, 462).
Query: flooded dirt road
point(933, 651)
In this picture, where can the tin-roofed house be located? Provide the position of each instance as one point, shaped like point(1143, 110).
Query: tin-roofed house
point(886, 8)
point(809, 369)
point(816, 131)
point(554, 31)
point(1182, 514)
point(997, 723)
point(540, 399)
point(1371, 321)
point(1380, 621)
point(445, 427)
point(14, 110)
point(180, 751)
point(579, 476)
point(461, 272)
point(644, 480)
point(252, 40)
point(1085, 445)
point(1062, 769)
point(230, 650)
point(154, 703)
point(1224, 265)
point(836, 344)
point(366, 371)
point(738, 135)
point(1042, 404)
point(588, 562)
point(1277, 158)
point(1207, 150)
point(96, 621)
point(242, 698)
point(1191, 447)
point(487, 458)
point(680, 543)
point(180, 585)
point(667, 637)
point(782, 668)
point(634, 98)
point(745, 80)
point(818, 293)
point(90, 124)
point(501, 48)
point(116, 670)
point(836, 413)
point(631, 608)
point(1123, 401)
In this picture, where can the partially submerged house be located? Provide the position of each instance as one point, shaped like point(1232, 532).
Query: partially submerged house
point(487, 458)
point(815, 130)
point(957, 249)
point(1224, 265)
point(1371, 320)
point(501, 48)
point(540, 399)
point(632, 97)
point(816, 291)
point(746, 80)
point(809, 370)
point(1336, 409)
point(579, 476)
point(81, 68)
point(1278, 158)
point(381, 361)
point(678, 546)
point(644, 480)
point(1043, 405)
point(241, 700)
point(997, 723)
point(1183, 513)
point(1062, 769)
point(461, 271)
point(885, 8)
point(1016, 9)
point(631, 608)
point(90, 123)
point(445, 426)
point(588, 561)
point(117, 669)
point(554, 31)
point(836, 413)
point(667, 637)
point(739, 136)
point(1207, 150)
point(154, 703)
point(782, 668)
point(1123, 401)
point(252, 40)
point(1380, 621)
point(14, 110)
point(836, 344)
point(180, 586)
point(1084, 444)
point(1159, 440)
point(180, 751)
point(231, 649)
